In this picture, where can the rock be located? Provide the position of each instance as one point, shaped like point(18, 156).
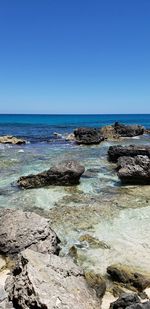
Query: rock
point(88, 136)
point(97, 282)
point(2, 263)
point(119, 130)
point(128, 276)
point(93, 242)
point(134, 170)
point(8, 139)
point(128, 130)
point(125, 301)
point(115, 152)
point(70, 137)
point(44, 281)
point(66, 173)
point(20, 230)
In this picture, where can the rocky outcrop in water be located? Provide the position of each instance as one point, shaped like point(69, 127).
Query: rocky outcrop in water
point(129, 301)
point(8, 139)
point(66, 173)
point(119, 130)
point(129, 276)
point(134, 170)
point(44, 281)
point(88, 136)
point(117, 151)
point(20, 230)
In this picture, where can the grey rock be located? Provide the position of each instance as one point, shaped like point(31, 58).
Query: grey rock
point(88, 136)
point(44, 281)
point(63, 174)
point(134, 170)
point(124, 301)
point(20, 230)
point(128, 130)
point(117, 151)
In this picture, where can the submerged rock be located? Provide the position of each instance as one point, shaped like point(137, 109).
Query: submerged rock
point(127, 275)
point(134, 170)
point(48, 281)
point(93, 242)
point(115, 152)
point(70, 137)
point(97, 282)
point(8, 139)
point(88, 136)
point(20, 230)
point(63, 174)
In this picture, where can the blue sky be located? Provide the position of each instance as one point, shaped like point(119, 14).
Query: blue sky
point(75, 56)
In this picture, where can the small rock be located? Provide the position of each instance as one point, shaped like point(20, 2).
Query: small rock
point(88, 136)
point(93, 242)
point(8, 139)
point(115, 152)
point(97, 282)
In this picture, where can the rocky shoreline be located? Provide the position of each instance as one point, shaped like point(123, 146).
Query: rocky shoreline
point(40, 276)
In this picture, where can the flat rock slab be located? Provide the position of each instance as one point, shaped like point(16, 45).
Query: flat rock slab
point(45, 281)
point(88, 136)
point(8, 139)
point(134, 170)
point(66, 173)
point(20, 230)
point(115, 152)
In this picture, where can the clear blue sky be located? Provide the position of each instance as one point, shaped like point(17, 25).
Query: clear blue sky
point(74, 56)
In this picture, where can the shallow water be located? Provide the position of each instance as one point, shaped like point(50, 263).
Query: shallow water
point(99, 206)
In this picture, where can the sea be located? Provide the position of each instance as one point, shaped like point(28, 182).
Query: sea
point(116, 215)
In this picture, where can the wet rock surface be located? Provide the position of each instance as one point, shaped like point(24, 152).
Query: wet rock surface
point(48, 282)
point(88, 136)
point(117, 151)
point(20, 230)
point(97, 282)
point(134, 170)
point(9, 139)
point(128, 276)
point(64, 174)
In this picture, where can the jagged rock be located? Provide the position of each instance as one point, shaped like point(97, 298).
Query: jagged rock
point(44, 281)
point(119, 130)
point(134, 170)
point(125, 301)
point(128, 130)
point(63, 174)
point(129, 276)
point(97, 282)
point(115, 152)
point(88, 136)
point(8, 139)
point(20, 230)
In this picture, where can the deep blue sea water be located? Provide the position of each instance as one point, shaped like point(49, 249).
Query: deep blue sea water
point(42, 127)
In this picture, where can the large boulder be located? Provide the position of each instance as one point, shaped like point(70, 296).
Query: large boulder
point(63, 174)
point(9, 139)
point(128, 130)
point(129, 301)
point(134, 170)
point(88, 136)
point(117, 151)
point(44, 281)
point(129, 276)
point(119, 130)
point(20, 230)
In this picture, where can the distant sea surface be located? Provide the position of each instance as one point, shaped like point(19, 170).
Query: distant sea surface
point(41, 127)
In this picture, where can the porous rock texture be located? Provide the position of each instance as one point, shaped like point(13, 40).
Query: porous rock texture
point(43, 281)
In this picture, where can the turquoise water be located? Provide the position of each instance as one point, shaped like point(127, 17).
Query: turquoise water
point(99, 205)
